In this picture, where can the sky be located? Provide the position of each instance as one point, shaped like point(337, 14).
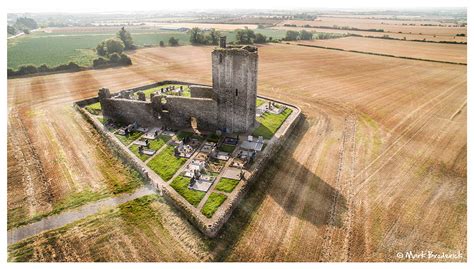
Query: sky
point(156, 5)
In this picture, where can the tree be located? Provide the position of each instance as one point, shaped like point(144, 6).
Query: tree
point(101, 49)
point(291, 35)
point(125, 60)
point(245, 36)
point(126, 38)
point(24, 23)
point(173, 41)
point(99, 62)
point(306, 35)
point(26, 31)
point(27, 69)
point(162, 44)
point(43, 68)
point(114, 45)
point(114, 58)
point(214, 36)
point(11, 30)
point(259, 38)
point(195, 36)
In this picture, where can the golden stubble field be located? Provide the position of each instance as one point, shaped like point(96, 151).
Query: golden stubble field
point(377, 165)
point(393, 28)
point(456, 53)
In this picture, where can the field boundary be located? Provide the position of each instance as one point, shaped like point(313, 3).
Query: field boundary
point(378, 54)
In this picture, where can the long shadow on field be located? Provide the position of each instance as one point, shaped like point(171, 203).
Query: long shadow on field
point(305, 196)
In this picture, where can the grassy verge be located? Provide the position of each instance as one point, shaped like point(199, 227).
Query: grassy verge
point(165, 164)
point(154, 145)
point(181, 185)
point(270, 123)
point(133, 215)
point(127, 139)
point(227, 184)
point(94, 108)
point(212, 204)
point(260, 102)
point(227, 148)
point(73, 201)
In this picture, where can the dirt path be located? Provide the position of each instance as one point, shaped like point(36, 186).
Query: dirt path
point(66, 217)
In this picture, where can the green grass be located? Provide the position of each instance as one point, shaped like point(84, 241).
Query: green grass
point(181, 184)
point(165, 164)
point(260, 102)
point(212, 204)
point(127, 139)
point(183, 135)
point(213, 138)
point(186, 90)
point(155, 144)
point(227, 184)
point(94, 108)
point(227, 148)
point(270, 123)
point(72, 201)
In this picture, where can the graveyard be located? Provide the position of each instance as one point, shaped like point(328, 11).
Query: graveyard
point(208, 170)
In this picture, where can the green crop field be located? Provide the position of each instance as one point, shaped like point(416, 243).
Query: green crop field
point(54, 49)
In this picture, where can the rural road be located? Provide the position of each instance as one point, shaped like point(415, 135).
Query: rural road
point(69, 216)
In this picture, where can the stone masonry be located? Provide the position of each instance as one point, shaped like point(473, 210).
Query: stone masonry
point(229, 105)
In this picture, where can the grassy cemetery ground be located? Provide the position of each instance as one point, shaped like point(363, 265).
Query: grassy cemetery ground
point(165, 164)
point(270, 123)
point(227, 148)
point(259, 102)
point(186, 90)
point(227, 184)
point(155, 144)
point(378, 162)
point(181, 185)
point(94, 108)
point(212, 204)
point(129, 138)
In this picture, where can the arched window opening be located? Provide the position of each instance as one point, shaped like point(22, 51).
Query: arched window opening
point(236, 92)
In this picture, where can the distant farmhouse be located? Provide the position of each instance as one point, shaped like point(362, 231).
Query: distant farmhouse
point(229, 105)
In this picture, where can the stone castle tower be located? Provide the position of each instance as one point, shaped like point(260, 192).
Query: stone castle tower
point(234, 82)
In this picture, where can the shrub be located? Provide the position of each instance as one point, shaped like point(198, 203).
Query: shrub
point(114, 58)
point(27, 69)
point(125, 60)
point(99, 62)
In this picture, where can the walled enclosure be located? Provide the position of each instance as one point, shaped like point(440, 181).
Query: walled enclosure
point(229, 105)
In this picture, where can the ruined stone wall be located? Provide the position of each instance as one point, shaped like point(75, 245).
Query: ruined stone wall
point(234, 81)
point(130, 111)
point(198, 91)
point(181, 109)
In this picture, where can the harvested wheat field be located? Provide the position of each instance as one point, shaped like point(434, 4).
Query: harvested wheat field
point(389, 26)
point(395, 35)
point(456, 53)
point(377, 165)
